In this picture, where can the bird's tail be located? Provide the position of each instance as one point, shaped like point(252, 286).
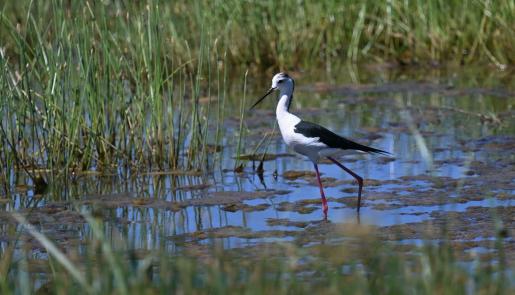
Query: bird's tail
point(369, 149)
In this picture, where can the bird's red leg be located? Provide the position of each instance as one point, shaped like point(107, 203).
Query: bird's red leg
point(357, 177)
point(324, 201)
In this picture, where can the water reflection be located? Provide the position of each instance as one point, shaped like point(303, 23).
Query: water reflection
point(404, 118)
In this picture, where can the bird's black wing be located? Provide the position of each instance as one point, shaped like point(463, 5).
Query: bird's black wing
point(332, 139)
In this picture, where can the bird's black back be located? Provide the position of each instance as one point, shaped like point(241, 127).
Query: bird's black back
point(332, 139)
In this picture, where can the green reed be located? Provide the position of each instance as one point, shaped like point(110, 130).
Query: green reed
point(289, 34)
point(109, 85)
point(361, 264)
point(103, 85)
point(96, 87)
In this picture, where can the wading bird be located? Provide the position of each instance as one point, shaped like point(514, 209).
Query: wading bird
point(309, 139)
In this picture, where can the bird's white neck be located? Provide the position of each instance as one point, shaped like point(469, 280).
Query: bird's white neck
point(283, 106)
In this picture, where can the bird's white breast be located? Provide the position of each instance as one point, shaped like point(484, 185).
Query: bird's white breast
point(287, 124)
point(308, 146)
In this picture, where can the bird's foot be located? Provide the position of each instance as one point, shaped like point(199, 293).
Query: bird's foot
point(325, 209)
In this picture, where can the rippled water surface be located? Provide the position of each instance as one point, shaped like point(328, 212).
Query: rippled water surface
point(451, 133)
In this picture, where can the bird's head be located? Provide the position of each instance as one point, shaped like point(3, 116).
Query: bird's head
point(281, 82)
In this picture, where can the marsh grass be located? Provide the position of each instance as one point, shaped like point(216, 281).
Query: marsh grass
point(117, 87)
point(111, 84)
point(360, 265)
point(290, 34)
point(91, 88)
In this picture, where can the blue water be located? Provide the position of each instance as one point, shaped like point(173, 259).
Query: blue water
point(388, 113)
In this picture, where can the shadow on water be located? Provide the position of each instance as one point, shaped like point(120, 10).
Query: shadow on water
point(451, 133)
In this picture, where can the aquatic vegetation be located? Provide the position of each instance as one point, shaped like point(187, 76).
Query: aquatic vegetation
point(266, 33)
point(79, 94)
point(360, 264)
point(262, 33)
point(143, 85)
point(122, 124)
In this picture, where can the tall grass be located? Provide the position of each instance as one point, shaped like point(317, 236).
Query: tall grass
point(131, 85)
point(100, 85)
point(359, 265)
point(292, 34)
point(86, 86)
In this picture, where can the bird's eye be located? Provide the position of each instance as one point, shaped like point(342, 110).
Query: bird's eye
point(280, 81)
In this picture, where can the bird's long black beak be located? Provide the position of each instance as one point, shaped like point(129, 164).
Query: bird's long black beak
point(263, 97)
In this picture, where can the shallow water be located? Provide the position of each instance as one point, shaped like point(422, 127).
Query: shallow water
point(452, 138)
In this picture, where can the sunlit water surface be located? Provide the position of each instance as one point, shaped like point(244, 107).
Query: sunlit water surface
point(444, 112)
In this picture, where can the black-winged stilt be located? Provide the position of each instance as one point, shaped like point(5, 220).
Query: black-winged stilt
point(309, 139)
